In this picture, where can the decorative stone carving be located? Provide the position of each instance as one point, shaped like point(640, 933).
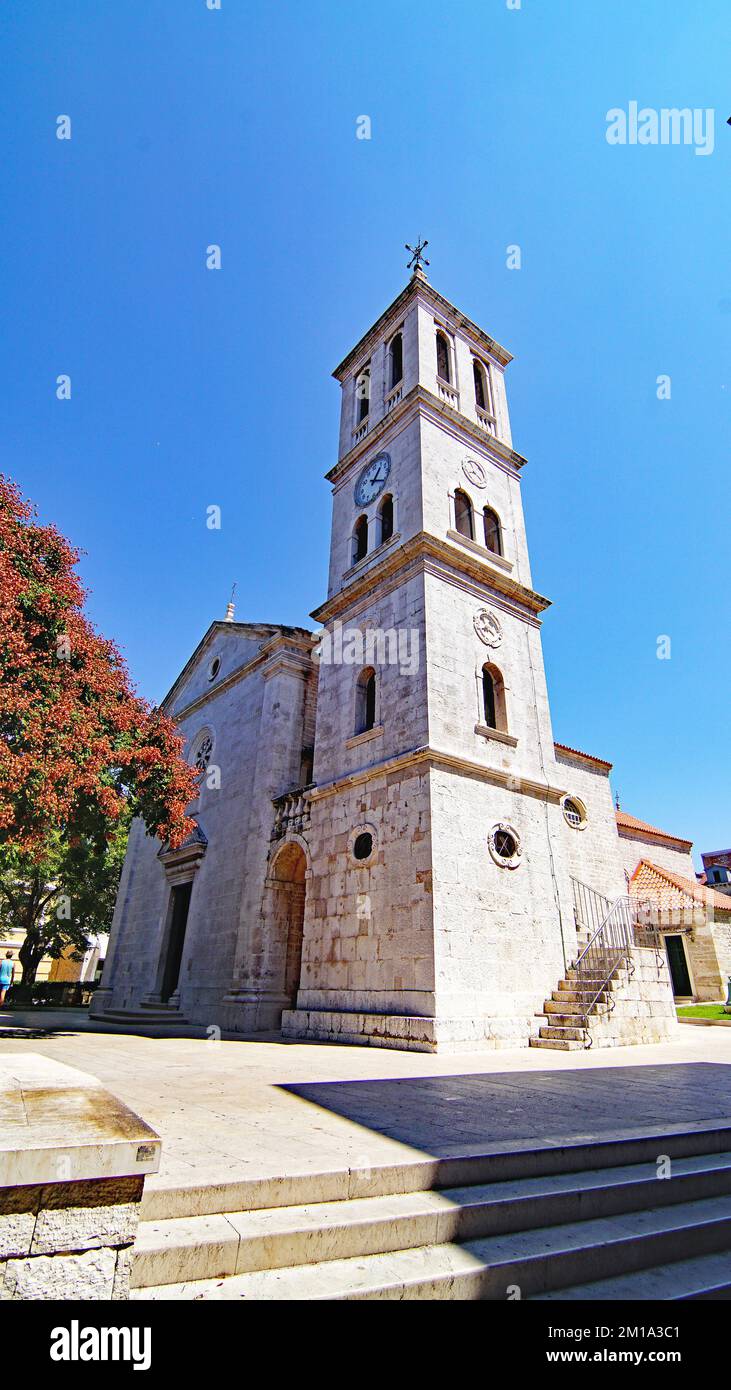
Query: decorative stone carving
point(474, 472)
point(488, 628)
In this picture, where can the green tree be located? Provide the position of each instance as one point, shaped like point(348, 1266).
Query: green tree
point(61, 895)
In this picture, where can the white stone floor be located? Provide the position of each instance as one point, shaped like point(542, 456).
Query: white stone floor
point(239, 1109)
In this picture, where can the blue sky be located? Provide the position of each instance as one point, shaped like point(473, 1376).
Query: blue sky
point(193, 388)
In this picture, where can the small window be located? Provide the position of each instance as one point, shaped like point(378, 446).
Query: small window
point(386, 519)
point(494, 707)
point(504, 845)
point(396, 354)
point(214, 668)
point(363, 394)
point(360, 539)
point(202, 752)
point(493, 533)
point(478, 372)
point(463, 514)
point(443, 358)
point(365, 712)
point(574, 811)
point(363, 846)
point(488, 699)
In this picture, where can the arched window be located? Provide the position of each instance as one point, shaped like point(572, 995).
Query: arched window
point(493, 533)
point(443, 367)
point(480, 384)
point(365, 704)
point(386, 519)
point(360, 539)
point(397, 360)
point(463, 514)
point(493, 699)
point(363, 393)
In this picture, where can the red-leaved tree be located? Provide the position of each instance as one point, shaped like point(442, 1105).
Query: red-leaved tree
point(78, 748)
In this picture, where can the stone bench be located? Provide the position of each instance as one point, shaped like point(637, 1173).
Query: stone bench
point(73, 1160)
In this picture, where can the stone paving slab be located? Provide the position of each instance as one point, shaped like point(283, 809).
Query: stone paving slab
point(236, 1110)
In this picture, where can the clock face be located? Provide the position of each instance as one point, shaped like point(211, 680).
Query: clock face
point(372, 480)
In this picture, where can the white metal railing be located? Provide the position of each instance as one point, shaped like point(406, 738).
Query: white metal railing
point(627, 923)
point(590, 907)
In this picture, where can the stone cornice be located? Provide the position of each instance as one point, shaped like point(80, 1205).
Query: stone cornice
point(435, 757)
point(420, 289)
point(421, 401)
point(427, 553)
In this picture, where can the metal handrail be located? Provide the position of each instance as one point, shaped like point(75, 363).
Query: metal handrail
point(607, 949)
point(590, 907)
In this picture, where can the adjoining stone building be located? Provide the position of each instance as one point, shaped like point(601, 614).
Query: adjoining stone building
point(390, 847)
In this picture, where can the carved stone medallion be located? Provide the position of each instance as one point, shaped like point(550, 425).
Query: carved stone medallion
point(474, 473)
point(488, 628)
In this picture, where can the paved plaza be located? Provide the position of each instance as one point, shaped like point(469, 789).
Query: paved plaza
point(234, 1110)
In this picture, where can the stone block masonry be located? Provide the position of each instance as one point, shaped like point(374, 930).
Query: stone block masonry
point(73, 1161)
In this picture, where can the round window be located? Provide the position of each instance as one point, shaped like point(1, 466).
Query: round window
point(214, 668)
point(363, 846)
point(504, 845)
point(574, 811)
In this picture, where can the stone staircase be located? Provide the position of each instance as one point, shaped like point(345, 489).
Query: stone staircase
point(589, 1219)
point(145, 1013)
point(618, 989)
point(575, 1005)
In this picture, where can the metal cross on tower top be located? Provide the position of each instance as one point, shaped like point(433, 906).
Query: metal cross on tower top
point(418, 259)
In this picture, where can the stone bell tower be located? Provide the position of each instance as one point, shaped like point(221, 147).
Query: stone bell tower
point(438, 910)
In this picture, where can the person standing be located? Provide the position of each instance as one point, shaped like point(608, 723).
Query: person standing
point(7, 975)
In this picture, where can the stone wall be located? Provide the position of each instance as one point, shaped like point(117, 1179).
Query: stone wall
point(644, 1008)
point(68, 1240)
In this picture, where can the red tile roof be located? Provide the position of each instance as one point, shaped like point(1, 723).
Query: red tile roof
point(627, 822)
point(576, 753)
point(671, 890)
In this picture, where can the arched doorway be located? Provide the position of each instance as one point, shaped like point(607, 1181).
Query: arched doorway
point(286, 885)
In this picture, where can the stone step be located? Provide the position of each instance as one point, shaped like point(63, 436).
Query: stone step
point(706, 1276)
point(147, 1015)
point(579, 996)
point(564, 1005)
point(561, 1030)
point(193, 1248)
point(536, 1261)
point(498, 1164)
point(564, 1045)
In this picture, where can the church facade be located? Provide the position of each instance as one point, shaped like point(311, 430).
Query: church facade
point(390, 846)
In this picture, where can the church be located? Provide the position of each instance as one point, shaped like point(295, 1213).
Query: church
point(390, 847)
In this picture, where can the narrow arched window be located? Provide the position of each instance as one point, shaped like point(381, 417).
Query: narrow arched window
point(386, 519)
point(463, 514)
point(480, 393)
point(443, 367)
point(397, 360)
point(493, 533)
point(365, 705)
point(363, 394)
point(488, 699)
point(360, 539)
point(494, 708)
